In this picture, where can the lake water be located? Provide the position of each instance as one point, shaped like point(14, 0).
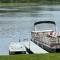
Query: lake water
point(18, 25)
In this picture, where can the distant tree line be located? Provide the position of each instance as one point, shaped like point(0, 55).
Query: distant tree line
point(23, 1)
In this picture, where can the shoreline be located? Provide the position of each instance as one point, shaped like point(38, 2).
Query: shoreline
point(26, 4)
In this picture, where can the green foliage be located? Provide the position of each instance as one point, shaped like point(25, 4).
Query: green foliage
point(25, 1)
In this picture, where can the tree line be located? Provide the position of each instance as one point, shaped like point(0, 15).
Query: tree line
point(27, 1)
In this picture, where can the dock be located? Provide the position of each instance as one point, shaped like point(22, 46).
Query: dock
point(25, 47)
point(34, 48)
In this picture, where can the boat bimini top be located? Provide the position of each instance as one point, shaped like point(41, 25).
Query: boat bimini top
point(40, 22)
point(44, 25)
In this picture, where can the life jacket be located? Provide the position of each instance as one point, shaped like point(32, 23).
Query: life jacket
point(52, 34)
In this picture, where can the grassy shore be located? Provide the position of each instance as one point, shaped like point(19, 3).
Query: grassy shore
point(29, 4)
point(18, 4)
point(50, 56)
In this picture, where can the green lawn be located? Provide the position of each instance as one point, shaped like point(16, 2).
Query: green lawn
point(49, 56)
